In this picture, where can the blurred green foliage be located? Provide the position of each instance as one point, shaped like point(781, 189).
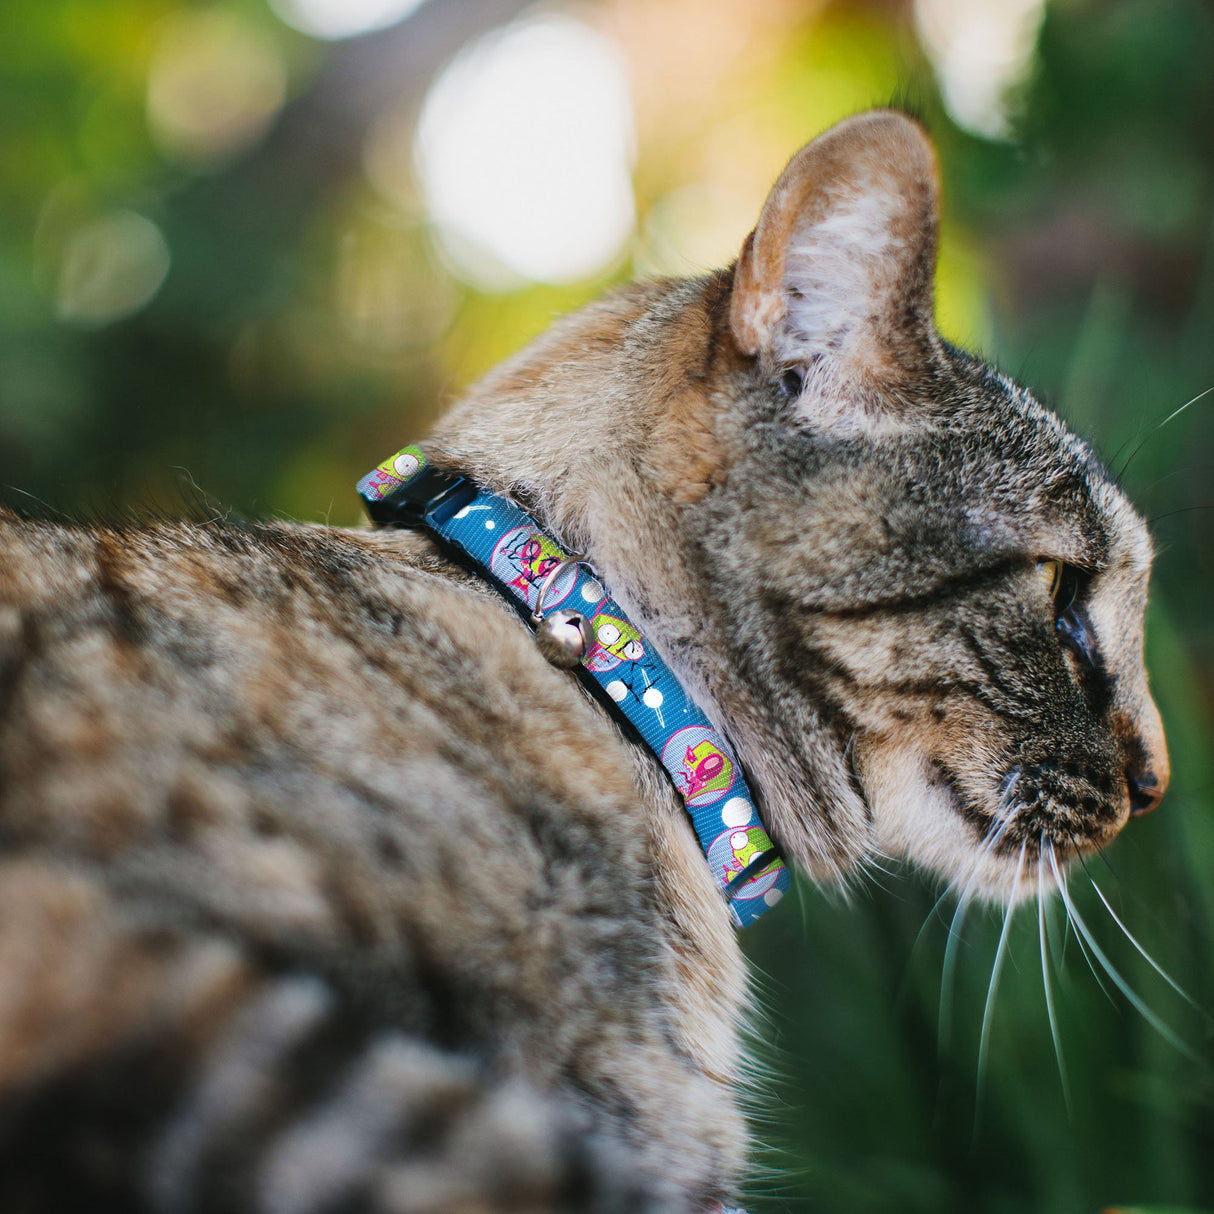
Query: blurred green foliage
point(305, 325)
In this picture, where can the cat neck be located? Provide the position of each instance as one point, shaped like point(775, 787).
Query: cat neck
point(608, 451)
point(507, 548)
point(610, 431)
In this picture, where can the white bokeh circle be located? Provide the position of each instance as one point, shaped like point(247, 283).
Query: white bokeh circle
point(332, 19)
point(524, 152)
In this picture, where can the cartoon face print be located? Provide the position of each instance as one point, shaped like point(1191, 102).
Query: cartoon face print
point(732, 851)
point(702, 768)
point(405, 464)
point(390, 474)
point(538, 557)
point(706, 769)
point(615, 641)
point(523, 558)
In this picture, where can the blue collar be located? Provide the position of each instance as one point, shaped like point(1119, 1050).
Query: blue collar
point(509, 548)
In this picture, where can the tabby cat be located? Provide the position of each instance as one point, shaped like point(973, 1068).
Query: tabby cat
point(321, 890)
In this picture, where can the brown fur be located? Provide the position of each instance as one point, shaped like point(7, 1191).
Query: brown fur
point(321, 890)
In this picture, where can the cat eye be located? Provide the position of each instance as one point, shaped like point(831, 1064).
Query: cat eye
point(1064, 583)
point(1061, 582)
point(1050, 573)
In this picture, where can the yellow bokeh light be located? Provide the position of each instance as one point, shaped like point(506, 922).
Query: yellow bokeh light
point(109, 268)
point(215, 83)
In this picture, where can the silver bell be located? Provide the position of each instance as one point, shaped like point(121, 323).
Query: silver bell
point(564, 638)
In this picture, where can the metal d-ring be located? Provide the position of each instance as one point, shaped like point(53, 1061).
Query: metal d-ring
point(566, 636)
point(537, 616)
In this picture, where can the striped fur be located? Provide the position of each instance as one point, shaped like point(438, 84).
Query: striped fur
point(321, 891)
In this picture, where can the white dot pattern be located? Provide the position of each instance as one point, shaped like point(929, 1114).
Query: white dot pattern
point(735, 812)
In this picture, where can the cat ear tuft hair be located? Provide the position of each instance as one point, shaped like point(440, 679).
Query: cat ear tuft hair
point(840, 265)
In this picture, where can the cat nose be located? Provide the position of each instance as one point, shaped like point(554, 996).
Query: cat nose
point(1146, 754)
point(1146, 790)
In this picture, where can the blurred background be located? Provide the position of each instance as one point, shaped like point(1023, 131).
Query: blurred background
point(247, 249)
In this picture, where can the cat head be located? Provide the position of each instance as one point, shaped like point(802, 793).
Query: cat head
point(949, 576)
point(910, 596)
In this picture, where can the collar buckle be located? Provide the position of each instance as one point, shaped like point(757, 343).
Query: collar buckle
point(429, 496)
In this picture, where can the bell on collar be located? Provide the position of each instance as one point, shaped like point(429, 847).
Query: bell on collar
point(564, 637)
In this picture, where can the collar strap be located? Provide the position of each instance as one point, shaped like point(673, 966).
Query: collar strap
point(509, 548)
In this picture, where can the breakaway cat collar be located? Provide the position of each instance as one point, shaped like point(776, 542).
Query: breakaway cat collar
point(509, 547)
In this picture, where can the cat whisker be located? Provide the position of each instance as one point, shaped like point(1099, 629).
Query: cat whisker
point(1082, 861)
point(1188, 470)
point(1049, 993)
point(1083, 948)
point(864, 873)
point(1131, 995)
point(1155, 518)
point(1107, 863)
point(870, 864)
point(1133, 939)
point(1054, 911)
point(944, 1026)
point(949, 967)
point(1150, 434)
point(931, 914)
point(992, 989)
point(874, 860)
point(1008, 802)
point(1087, 956)
point(1143, 952)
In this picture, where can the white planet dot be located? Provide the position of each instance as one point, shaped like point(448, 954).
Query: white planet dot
point(616, 690)
point(405, 465)
point(592, 591)
point(738, 840)
point(652, 698)
point(489, 524)
point(735, 812)
point(773, 896)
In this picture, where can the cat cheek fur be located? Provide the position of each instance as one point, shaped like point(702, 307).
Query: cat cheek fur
point(975, 797)
point(1117, 608)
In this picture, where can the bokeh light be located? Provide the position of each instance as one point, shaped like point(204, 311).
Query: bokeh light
point(214, 85)
point(524, 150)
point(694, 228)
point(389, 292)
point(109, 268)
point(981, 50)
point(331, 19)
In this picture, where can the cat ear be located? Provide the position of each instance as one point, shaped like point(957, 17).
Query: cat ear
point(838, 273)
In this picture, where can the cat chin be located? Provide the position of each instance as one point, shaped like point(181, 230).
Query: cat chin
point(916, 818)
